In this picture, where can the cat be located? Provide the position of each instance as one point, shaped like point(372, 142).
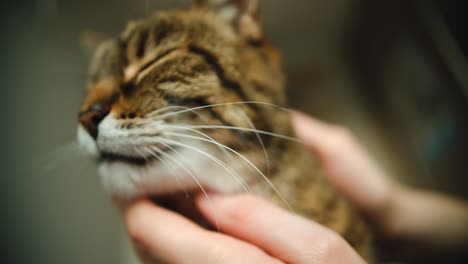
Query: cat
point(192, 100)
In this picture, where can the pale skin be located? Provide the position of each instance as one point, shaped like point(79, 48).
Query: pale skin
point(255, 231)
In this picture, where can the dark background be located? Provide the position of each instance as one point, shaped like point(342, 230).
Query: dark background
point(393, 71)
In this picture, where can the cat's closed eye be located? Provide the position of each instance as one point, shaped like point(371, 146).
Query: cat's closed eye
point(193, 100)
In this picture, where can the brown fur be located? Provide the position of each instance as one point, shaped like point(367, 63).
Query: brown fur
point(196, 57)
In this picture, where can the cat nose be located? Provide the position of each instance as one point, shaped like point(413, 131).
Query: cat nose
point(91, 118)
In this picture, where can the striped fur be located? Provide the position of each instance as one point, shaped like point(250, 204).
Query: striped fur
point(211, 54)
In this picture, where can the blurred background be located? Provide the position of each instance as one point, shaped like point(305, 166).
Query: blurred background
point(393, 71)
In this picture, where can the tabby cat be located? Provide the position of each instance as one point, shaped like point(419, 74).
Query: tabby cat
point(192, 100)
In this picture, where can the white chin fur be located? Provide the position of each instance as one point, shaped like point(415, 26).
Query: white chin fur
point(126, 181)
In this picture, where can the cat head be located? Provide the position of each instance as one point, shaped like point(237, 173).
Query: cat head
point(174, 101)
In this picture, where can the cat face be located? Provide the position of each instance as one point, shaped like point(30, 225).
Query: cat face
point(170, 105)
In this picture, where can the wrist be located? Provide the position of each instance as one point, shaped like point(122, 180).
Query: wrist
point(420, 224)
point(384, 218)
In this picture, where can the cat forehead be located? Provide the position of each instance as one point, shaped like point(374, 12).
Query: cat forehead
point(190, 25)
point(164, 30)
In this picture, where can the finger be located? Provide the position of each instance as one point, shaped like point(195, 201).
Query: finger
point(317, 135)
point(283, 235)
point(347, 165)
point(166, 237)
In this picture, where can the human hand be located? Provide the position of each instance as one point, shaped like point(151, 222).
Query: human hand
point(413, 224)
point(258, 232)
point(254, 231)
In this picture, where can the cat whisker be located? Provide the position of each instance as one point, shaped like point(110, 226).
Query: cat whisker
point(202, 134)
point(242, 157)
point(175, 160)
point(52, 159)
point(160, 152)
point(194, 127)
point(219, 145)
point(157, 111)
point(215, 143)
point(186, 170)
point(251, 124)
point(32, 177)
point(142, 155)
point(163, 116)
point(236, 176)
point(71, 148)
point(185, 110)
point(235, 128)
point(148, 150)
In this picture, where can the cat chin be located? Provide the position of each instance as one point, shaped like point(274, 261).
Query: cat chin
point(185, 170)
point(127, 181)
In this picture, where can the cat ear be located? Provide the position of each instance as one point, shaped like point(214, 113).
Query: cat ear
point(242, 14)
